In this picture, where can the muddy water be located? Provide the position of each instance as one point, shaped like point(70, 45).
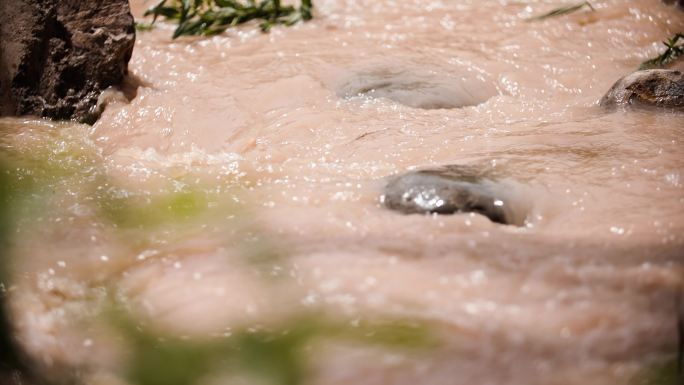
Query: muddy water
point(298, 130)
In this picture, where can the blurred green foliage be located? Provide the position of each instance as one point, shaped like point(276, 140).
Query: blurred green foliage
point(38, 177)
point(56, 166)
point(4, 222)
point(277, 355)
point(664, 372)
point(8, 356)
point(13, 367)
point(149, 212)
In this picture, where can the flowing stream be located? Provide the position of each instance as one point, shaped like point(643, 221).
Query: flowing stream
point(289, 138)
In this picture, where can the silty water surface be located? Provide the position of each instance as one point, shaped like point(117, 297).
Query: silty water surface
point(313, 119)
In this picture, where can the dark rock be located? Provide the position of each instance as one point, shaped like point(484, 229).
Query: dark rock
point(680, 3)
point(56, 56)
point(448, 190)
point(656, 88)
point(419, 90)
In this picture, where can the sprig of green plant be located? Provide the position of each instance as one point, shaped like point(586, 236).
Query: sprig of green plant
point(211, 17)
point(563, 11)
point(671, 53)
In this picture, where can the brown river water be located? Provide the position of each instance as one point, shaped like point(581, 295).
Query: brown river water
point(271, 128)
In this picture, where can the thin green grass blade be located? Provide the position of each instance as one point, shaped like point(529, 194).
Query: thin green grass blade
point(563, 11)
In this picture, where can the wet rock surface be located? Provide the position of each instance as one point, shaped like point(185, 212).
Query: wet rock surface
point(680, 3)
point(419, 90)
point(448, 190)
point(649, 88)
point(56, 57)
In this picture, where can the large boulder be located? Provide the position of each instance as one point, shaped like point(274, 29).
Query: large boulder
point(56, 56)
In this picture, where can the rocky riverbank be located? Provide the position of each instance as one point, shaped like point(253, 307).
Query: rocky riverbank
point(56, 57)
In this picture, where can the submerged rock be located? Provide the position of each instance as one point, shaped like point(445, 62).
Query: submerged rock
point(419, 90)
point(657, 88)
point(56, 57)
point(448, 190)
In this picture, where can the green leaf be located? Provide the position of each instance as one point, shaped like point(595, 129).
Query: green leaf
point(229, 3)
point(160, 10)
point(563, 11)
point(305, 10)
